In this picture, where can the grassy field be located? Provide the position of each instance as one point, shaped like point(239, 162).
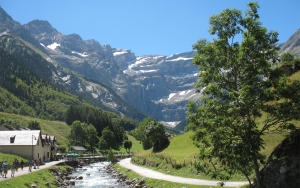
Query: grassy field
point(56, 128)
point(42, 179)
point(136, 145)
point(178, 158)
point(10, 158)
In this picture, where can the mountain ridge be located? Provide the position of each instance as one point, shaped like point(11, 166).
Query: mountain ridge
point(155, 85)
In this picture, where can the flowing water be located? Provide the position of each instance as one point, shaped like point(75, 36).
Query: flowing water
point(94, 175)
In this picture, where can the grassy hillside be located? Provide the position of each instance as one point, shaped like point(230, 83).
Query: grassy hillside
point(56, 128)
point(136, 145)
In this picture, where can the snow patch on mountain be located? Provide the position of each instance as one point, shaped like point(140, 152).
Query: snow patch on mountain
point(84, 54)
point(95, 95)
point(119, 53)
point(66, 78)
point(53, 46)
point(179, 59)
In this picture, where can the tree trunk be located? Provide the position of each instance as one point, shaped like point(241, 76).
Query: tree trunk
point(248, 180)
point(256, 168)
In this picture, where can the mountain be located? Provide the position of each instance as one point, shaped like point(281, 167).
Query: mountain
point(49, 70)
point(158, 86)
point(292, 45)
point(113, 78)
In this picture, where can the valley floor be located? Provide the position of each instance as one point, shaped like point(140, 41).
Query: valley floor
point(157, 175)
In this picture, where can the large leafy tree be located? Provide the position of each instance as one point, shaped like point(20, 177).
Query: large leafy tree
point(127, 145)
point(140, 133)
point(77, 135)
point(234, 79)
point(151, 134)
point(107, 140)
point(92, 137)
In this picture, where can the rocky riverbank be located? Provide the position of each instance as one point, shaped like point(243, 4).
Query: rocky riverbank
point(123, 180)
point(64, 178)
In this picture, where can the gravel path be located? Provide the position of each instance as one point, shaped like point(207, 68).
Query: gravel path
point(157, 175)
point(26, 170)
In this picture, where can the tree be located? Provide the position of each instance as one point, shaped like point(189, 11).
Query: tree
point(110, 156)
point(140, 133)
point(92, 136)
point(155, 136)
point(34, 125)
point(77, 135)
point(102, 144)
point(151, 134)
point(233, 78)
point(127, 145)
point(286, 57)
point(109, 137)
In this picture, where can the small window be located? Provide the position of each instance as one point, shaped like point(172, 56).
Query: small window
point(12, 139)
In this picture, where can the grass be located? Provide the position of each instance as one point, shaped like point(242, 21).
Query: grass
point(42, 178)
point(10, 158)
point(56, 128)
point(154, 183)
point(177, 159)
point(136, 145)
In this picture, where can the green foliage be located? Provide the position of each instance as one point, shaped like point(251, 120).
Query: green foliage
point(109, 137)
point(110, 156)
point(236, 89)
point(100, 120)
point(34, 125)
point(39, 178)
point(56, 128)
point(296, 63)
point(92, 137)
point(127, 124)
point(82, 134)
point(286, 57)
point(26, 93)
point(102, 144)
point(151, 134)
point(155, 134)
point(127, 145)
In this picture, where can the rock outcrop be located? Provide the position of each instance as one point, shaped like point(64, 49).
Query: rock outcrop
point(283, 167)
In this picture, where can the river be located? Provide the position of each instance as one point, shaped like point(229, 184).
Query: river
point(94, 175)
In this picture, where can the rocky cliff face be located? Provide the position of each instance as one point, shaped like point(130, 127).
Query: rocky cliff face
point(159, 86)
point(292, 45)
point(155, 85)
point(283, 167)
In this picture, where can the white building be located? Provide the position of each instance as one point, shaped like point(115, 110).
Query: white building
point(26, 143)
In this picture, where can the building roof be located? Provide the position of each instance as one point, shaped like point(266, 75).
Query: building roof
point(29, 137)
point(78, 148)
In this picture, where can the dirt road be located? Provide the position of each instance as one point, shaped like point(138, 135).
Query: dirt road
point(157, 175)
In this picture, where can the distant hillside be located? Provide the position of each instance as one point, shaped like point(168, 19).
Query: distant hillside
point(63, 80)
point(292, 45)
point(25, 93)
point(56, 128)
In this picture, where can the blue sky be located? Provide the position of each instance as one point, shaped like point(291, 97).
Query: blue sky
point(161, 27)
